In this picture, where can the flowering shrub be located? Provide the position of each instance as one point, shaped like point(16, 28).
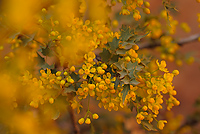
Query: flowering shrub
point(61, 56)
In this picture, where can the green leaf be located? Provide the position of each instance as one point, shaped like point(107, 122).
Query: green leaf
point(126, 79)
point(105, 55)
point(27, 39)
point(131, 74)
point(131, 65)
point(124, 43)
point(42, 63)
point(114, 44)
point(121, 51)
point(125, 33)
point(134, 82)
point(114, 59)
point(131, 106)
point(124, 92)
point(148, 126)
point(145, 59)
point(69, 89)
point(119, 64)
point(74, 76)
point(117, 83)
point(139, 68)
point(56, 114)
point(40, 60)
point(128, 46)
point(139, 37)
point(47, 51)
point(122, 73)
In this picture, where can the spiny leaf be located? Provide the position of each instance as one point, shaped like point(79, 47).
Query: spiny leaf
point(125, 33)
point(114, 44)
point(124, 92)
point(119, 64)
point(148, 126)
point(139, 68)
point(105, 55)
point(124, 43)
point(134, 82)
point(27, 39)
point(114, 59)
point(74, 76)
point(139, 37)
point(69, 89)
point(47, 51)
point(42, 63)
point(128, 46)
point(122, 73)
point(126, 79)
point(131, 65)
point(117, 83)
point(121, 51)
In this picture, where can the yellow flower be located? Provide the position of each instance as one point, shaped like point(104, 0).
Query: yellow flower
point(81, 121)
point(87, 121)
point(161, 124)
point(162, 66)
point(95, 116)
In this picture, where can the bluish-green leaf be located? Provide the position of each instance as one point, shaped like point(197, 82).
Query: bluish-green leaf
point(126, 79)
point(117, 83)
point(139, 37)
point(134, 82)
point(114, 44)
point(105, 55)
point(148, 126)
point(124, 92)
point(122, 73)
point(74, 76)
point(125, 33)
point(114, 59)
point(121, 51)
point(69, 89)
point(47, 51)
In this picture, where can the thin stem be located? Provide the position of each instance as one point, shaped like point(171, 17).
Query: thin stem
point(72, 116)
point(74, 124)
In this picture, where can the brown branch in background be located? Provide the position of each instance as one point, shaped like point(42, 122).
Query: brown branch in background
point(181, 42)
point(71, 114)
point(72, 117)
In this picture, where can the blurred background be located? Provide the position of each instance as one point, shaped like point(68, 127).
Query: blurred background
point(187, 83)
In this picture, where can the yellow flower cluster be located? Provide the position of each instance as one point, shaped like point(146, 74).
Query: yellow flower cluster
point(168, 48)
point(155, 28)
point(132, 5)
point(98, 83)
point(185, 27)
point(86, 35)
point(88, 120)
point(151, 90)
point(48, 87)
point(171, 23)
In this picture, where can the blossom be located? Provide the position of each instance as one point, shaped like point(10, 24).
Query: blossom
point(162, 66)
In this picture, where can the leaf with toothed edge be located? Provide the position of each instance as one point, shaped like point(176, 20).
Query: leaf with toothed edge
point(124, 92)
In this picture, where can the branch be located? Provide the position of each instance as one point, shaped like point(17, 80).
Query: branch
point(181, 42)
point(74, 124)
point(72, 116)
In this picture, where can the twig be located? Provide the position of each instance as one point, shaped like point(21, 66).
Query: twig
point(71, 114)
point(75, 126)
point(181, 42)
